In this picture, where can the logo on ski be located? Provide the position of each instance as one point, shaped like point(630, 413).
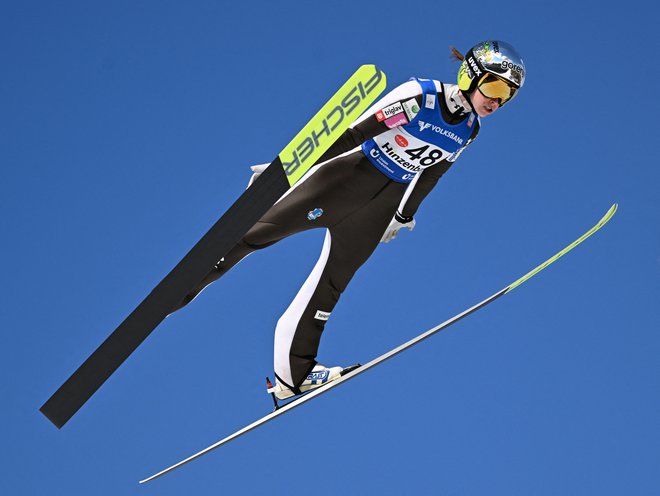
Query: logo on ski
point(331, 121)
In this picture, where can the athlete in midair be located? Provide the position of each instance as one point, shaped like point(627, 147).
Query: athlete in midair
point(366, 188)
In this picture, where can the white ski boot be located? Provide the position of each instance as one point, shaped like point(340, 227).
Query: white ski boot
point(319, 375)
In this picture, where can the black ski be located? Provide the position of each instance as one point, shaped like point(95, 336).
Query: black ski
point(353, 98)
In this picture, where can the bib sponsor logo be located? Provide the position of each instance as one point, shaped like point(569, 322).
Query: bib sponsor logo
point(397, 120)
point(399, 160)
point(400, 140)
point(457, 153)
point(423, 126)
point(411, 108)
point(389, 111)
point(321, 315)
point(429, 102)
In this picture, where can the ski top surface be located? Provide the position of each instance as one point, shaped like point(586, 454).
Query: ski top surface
point(352, 99)
point(376, 361)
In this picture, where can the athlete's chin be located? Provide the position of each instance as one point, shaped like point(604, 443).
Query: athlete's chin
point(485, 111)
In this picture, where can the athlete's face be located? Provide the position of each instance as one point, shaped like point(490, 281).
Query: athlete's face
point(483, 105)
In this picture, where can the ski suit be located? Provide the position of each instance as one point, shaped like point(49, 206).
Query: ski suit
point(384, 164)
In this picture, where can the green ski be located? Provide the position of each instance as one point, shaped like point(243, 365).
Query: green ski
point(363, 368)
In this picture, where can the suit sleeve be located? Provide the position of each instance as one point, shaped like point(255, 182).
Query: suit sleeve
point(427, 180)
point(368, 126)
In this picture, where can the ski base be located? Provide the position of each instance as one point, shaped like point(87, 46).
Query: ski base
point(280, 410)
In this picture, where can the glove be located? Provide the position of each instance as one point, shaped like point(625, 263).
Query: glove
point(257, 170)
point(397, 223)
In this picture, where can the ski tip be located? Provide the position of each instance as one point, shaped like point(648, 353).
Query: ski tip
point(613, 208)
point(606, 218)
point(608, 215)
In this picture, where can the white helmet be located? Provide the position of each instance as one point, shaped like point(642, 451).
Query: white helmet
point(495, 67)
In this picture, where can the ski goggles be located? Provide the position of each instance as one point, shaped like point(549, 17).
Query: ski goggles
point(491, 86)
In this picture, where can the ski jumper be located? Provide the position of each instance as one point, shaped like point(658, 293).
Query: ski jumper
point(389, 159)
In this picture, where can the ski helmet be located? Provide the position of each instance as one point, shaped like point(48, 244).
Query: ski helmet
point(495, 67)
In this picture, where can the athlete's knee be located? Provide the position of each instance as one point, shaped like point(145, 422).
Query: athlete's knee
point(188, 298)
point(212, 276)
point(263, 235)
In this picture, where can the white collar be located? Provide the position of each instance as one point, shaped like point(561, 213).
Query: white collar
point(455, 100)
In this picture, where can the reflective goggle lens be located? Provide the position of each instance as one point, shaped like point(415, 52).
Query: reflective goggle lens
point(494, 87)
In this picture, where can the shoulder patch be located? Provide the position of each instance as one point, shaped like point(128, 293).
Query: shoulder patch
point(393, 115)
point(411, 108)
point(389, 111)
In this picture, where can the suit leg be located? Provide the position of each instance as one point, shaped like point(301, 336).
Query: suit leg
point(346, 247)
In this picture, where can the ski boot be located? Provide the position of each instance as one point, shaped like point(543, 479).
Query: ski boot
point(319, 376)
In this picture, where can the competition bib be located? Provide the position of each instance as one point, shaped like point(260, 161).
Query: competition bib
point(419, 138)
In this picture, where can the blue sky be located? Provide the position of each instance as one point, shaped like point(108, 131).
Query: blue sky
point(127, 129)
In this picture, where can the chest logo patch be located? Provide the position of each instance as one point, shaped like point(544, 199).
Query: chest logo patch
point(315, 214)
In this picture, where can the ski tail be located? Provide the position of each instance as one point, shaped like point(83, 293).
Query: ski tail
point(376, 361)
point(331, 121)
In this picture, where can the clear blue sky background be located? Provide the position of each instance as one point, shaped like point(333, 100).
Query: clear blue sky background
point(127, 129)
